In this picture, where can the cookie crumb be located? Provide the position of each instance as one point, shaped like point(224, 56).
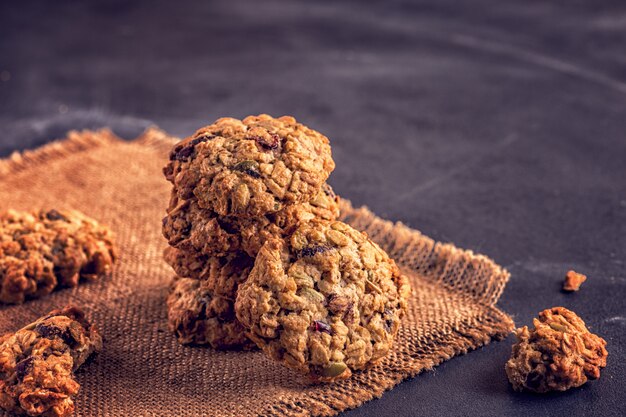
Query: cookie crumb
point(573, 281)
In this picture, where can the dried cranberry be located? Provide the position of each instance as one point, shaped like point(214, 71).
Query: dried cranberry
point(183, 154)
point(202, 137)
point(320, 326)
point(311, 251)
point(50, 332)
point(23, 367)
point(47, 331)
point(268, 144)
point(186, 150)
point(55, 215)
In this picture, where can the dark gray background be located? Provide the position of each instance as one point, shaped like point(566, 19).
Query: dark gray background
point(497, 125)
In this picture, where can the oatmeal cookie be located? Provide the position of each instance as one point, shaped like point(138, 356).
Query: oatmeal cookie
point(191, 228)
point(196, 230)
point(252, 167)
point(199, 316)
point(558, 354)
point(324, 302)
point(37, 363)
point(45, 249)
point(220, 274)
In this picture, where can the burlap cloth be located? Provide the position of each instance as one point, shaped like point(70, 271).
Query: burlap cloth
point(144, 371)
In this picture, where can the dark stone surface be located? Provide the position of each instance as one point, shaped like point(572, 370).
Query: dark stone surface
point(497, 125)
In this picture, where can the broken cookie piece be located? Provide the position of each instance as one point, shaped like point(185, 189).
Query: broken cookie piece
point(558, 354)
point(46, 249)
point(37, 363)
point(573, 281)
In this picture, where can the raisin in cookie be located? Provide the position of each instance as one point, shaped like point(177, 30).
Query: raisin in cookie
point(324, 302)
point(199, 316)
point(196, 230)
point(558, 354)
point(42, 250)
point(252, 167)
point(37, 363)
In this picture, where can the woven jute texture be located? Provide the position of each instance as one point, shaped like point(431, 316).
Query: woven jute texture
point(144, 371)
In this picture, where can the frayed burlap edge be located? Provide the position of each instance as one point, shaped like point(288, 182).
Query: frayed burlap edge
point(79, 141)
point(475, 278)
point(475, 275)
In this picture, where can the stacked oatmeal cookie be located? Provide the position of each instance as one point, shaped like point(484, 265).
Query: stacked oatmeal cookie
point(236, 184)
point(261, 259)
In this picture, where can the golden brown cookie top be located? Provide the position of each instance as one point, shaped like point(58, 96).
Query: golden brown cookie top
point(558, 354)
point(325, 301)
point(250, 167)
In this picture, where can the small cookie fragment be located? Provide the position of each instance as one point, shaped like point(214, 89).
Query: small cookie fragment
point(198, 316)
point(250, 167)
point(46, 249)
point(558, 354)
point(324, 302)
point(573, 281)
point(37, 363)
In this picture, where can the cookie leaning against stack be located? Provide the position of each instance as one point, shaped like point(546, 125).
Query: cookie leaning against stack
point(235, 185)
point(324, 302)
